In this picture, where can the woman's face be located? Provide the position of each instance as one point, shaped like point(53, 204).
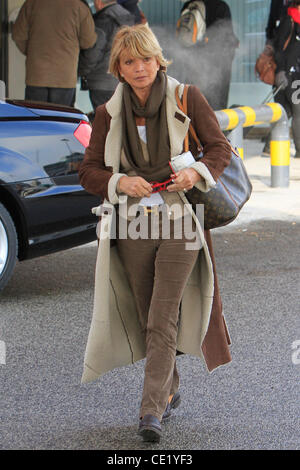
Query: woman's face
point(140, 73)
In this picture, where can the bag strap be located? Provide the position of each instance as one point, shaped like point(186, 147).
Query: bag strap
point(182, 105)
point(290, 36)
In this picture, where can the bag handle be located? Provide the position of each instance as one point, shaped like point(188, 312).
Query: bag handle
point(182, 105)
point(290, 36)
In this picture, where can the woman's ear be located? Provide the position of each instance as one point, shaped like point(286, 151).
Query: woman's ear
point(121, 76)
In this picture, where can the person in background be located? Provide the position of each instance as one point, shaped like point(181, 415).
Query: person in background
point(142, 283)
point(278, 9)
point(288, 66)
point(212, 58)
point(132, 7)
point(51, 34)
point(93, 64)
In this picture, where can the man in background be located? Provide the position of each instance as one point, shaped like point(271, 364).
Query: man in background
point(51, 33)
point(208, 63)
point(109, 18)
point(133, 7)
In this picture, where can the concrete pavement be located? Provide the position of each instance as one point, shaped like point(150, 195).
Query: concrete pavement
point(253, 403)
point(266, 202)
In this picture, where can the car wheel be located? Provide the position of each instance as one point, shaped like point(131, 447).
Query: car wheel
point(8, 246)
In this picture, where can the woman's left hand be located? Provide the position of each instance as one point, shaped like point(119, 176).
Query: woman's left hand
point(184, 180)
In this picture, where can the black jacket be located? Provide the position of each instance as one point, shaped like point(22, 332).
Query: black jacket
point(89, 58)
point(288, 59)
point(93, 63)
point(278, 9)
point(132, 7)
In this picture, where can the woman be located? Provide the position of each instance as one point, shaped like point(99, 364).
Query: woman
point(288, 67)
point(142, 283)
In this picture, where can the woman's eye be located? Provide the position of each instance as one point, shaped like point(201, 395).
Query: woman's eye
point(128, 62)
point(146, 59)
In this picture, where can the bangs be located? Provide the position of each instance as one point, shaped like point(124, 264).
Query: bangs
point(140, 47)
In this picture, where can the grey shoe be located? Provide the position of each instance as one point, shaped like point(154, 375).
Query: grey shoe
point(150, 429)
point(174, 403)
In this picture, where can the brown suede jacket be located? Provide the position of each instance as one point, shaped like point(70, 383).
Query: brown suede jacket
point(95, 174)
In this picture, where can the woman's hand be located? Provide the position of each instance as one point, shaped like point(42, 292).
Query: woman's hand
point(134, 186)
point(184, 180)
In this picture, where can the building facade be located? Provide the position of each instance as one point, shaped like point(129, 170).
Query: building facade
point(249, 22)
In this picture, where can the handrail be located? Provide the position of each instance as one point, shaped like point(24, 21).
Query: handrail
point(245, 116)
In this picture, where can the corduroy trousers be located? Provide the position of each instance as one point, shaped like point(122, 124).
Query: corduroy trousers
point(158, 270)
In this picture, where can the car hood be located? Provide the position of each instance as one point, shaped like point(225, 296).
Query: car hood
point(27, 109)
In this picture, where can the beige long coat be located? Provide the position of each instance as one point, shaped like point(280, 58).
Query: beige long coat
point(51, 33)
point(115, 337)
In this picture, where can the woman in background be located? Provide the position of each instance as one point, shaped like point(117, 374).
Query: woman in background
point(288, 67)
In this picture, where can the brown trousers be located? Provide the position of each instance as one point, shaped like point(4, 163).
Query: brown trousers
point(158, 270)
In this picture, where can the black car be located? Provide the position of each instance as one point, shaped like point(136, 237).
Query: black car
point(43, 208)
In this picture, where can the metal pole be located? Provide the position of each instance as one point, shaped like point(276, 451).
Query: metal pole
point(245, 116)
point(280, 151)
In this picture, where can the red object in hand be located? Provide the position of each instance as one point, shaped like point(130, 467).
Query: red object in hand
point(157, 187)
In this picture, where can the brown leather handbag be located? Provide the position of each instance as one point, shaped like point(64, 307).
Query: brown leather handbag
point(222, 203)
point(265, 66)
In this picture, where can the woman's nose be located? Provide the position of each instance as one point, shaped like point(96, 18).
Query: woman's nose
point(139, 64)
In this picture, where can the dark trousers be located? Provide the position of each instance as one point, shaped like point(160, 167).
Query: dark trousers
point(64, 96)
point(158, 270)
point(98, 97)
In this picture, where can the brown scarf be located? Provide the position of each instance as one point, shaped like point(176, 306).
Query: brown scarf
point(158, 143)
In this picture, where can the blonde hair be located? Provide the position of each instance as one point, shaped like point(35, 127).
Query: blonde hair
point(139, 41)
